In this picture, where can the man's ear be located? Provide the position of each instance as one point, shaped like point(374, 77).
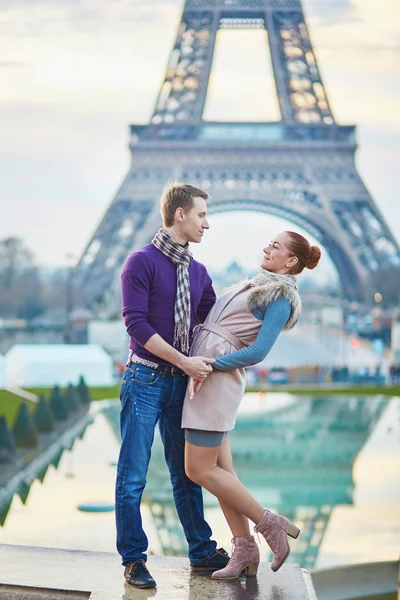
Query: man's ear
point(179, 214)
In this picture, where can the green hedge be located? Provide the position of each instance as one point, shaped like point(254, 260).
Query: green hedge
point(9, 403)
point(98, 393)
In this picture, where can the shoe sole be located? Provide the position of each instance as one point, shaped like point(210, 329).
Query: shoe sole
point(142, 587)
point(281, 563)
point(241, 574)
point(206, 569)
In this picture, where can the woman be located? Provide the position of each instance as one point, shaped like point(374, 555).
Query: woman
point(240, 330)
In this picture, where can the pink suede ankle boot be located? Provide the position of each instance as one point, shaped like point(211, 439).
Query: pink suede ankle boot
point(275, 529)
point(245, 556)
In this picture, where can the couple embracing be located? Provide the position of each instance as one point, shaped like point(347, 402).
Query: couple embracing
point(185, 371)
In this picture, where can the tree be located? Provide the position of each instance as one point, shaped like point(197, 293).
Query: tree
point(27, 291)
point(15, 258)
point(29, 288)
point(20, 282)
point(58, 405)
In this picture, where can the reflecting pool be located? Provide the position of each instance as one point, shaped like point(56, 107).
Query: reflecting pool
point(330, 463)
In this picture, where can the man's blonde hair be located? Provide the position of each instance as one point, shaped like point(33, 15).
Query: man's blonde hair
point(179, 195)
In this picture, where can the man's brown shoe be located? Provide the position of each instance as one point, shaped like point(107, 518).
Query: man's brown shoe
point(137, 574)
point(217, 560)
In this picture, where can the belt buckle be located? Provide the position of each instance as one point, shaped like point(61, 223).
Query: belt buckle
point(175, 371)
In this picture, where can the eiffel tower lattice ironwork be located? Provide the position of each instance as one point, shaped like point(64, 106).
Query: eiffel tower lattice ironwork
point(301, 168)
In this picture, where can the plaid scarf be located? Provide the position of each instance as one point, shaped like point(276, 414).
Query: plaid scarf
point(181, 257)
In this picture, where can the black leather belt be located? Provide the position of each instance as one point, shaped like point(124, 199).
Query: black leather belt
point(134, 359)
point(162, 369)
point(172, 371)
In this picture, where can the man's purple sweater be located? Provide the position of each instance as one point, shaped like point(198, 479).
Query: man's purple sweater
point(148, 282)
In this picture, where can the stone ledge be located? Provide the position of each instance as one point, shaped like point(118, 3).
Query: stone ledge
point(18, 592)
point(358, 581)
point(54, 574)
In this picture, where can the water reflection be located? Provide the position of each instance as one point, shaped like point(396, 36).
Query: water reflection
point(195, 586)
point(33, 466)
point(299, 461)
point(243, 588)
point(131, 593)
point(296, 459)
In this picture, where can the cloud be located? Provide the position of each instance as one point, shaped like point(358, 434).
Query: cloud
point(81, 14)
point(89, 68)
point(34, 3)
point(12, 64)
point(94, 56)
point(359, 62)
point(330, 12)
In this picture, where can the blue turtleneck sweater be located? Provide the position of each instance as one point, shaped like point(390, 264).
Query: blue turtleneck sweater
point(274, 316)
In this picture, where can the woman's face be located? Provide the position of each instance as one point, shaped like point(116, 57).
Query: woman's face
point(277, 258)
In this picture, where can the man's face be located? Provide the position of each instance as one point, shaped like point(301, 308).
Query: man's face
point(195, 221)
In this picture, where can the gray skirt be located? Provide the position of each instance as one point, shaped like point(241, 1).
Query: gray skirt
point(206, 439)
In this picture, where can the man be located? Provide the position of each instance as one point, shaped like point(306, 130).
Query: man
point(164, 293)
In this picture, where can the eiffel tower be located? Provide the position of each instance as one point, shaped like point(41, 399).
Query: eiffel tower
point(301, 168)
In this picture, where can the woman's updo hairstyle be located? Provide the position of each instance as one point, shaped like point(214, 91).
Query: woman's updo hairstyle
point(308, 255)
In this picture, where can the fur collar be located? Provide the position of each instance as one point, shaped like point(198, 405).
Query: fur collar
point(262, 295)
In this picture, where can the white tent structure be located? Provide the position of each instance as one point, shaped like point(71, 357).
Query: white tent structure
point(2, 373)
point(59, 364)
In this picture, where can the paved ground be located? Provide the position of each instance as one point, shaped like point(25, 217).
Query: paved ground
point(41, 573)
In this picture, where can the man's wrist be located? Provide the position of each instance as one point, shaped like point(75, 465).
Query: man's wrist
point(182, 362)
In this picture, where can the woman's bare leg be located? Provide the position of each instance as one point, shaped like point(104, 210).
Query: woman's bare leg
point(238, 523)
point(201, 467)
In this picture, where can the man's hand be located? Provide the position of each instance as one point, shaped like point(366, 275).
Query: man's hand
point(194, 366)
point(197, 367)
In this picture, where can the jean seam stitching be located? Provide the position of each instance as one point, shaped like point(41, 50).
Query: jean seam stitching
point(129, 431)
point(183, 475)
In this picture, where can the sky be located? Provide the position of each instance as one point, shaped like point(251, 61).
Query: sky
point(75, 73)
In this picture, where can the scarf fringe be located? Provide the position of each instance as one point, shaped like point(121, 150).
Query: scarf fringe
point(181, 334)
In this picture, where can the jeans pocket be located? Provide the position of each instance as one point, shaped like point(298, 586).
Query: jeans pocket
point(145, 376)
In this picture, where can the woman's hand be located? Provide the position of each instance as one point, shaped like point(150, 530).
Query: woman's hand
point(194, 386)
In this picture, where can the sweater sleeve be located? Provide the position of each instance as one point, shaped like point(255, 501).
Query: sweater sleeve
point(275, 318)
point(136, 279)
point(207, 301)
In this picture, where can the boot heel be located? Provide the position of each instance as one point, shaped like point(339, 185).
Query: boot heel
point(251, 570)
point(292, 530)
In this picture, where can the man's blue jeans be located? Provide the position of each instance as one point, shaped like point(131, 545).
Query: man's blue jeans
point(148, 398)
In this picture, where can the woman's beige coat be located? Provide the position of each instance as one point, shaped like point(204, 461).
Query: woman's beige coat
point(229, 326)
